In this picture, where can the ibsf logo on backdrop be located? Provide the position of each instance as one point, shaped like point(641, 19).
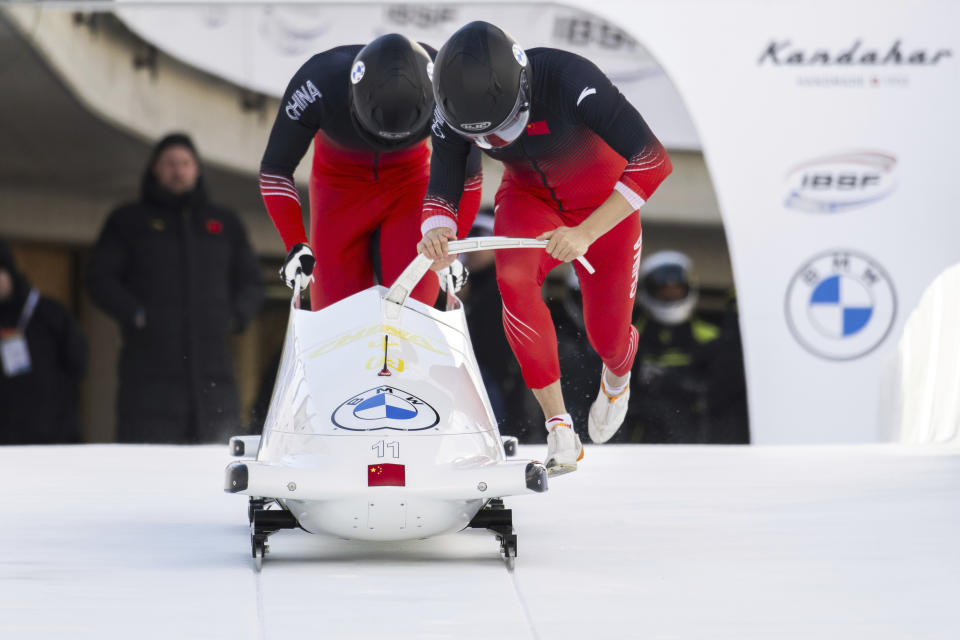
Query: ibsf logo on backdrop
point(840, 305)
point(838, 183)
point(385, 408)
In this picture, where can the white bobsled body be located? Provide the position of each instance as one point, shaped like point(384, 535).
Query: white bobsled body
point(353, 452)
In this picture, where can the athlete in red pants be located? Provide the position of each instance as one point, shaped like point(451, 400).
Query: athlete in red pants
point(579, 161)
point(367, 111)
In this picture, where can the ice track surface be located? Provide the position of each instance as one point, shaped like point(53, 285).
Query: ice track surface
point(642, 542)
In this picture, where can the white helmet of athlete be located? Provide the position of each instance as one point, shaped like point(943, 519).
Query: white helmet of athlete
point(668, 290)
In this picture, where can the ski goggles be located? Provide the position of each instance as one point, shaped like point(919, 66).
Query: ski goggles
point(512, 126)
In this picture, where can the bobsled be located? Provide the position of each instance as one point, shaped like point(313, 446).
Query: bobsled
point(379, 426)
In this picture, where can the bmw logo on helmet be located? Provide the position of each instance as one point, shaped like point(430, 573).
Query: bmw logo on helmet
point(520, 55)
point(840, 305)
point(356, 75)
point(385, 408)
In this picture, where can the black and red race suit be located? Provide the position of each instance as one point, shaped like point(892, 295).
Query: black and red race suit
point(358, 184)
point(583, 141)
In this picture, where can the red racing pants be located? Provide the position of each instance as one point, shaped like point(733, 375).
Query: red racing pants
point(352, 194)
point(608, 294)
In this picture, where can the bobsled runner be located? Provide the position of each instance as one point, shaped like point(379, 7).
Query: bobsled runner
point(379, 426)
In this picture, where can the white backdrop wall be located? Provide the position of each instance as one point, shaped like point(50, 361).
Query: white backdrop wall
point(830, 132)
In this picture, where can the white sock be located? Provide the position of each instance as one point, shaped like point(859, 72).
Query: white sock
point(558, 419)
point(611, 390)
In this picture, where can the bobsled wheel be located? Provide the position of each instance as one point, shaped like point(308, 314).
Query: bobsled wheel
point(258, 548)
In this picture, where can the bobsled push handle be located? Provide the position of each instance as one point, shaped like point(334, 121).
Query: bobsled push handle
point(469, 245)
point(297, 279)
point(421, 264)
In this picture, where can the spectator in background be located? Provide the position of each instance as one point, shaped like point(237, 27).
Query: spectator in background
point(679, 358)
point(44, 355)
point(177, 273)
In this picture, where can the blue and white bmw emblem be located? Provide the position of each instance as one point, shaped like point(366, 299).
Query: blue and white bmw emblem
point(520, 55)
point(840, 305)
point(385, 408)
point(356, 75)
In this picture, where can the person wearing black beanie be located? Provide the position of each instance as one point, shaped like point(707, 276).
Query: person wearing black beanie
point(43, 356)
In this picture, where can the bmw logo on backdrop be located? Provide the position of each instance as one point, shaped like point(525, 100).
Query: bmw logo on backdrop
point(385, 408)
point(840, 305)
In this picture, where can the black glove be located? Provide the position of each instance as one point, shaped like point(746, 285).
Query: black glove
point(299, 260)
point(458, 273)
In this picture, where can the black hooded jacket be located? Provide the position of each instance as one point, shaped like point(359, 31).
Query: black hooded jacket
point(178, 274)
point(39, 406)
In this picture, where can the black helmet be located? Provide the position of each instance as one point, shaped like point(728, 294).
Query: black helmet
point(481, 84)
point(390, 90)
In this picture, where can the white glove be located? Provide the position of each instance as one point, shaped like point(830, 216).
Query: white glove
point(299, 260)
point(457, 272)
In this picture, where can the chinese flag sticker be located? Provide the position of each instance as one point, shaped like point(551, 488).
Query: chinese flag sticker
point(538, 128)
point(385, 475)
point(214, 226)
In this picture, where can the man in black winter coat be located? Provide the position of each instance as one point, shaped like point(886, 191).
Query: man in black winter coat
point(43, 355)
point(177, 273)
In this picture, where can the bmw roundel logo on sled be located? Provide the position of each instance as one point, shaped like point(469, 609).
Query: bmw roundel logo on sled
point(840, 305)
point(385, 408)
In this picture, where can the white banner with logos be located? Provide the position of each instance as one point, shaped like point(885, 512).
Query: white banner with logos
point(831, 134)
point(830, 130)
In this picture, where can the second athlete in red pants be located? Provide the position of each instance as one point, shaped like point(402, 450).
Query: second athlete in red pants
point(579, 161)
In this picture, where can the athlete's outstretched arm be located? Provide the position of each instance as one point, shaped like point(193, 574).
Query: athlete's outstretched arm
point(448, 172)
point(592, 99)
point(472, 188)
point(569, 243)
point(298, 120)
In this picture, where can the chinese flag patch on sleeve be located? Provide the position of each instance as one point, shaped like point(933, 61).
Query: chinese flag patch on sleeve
point(538, 128)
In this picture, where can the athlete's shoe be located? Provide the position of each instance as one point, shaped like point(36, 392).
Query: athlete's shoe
point(607, 412)
point(564, 450)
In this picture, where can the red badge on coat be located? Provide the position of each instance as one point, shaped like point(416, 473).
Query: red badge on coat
point(214, 226)
point(538, 128)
